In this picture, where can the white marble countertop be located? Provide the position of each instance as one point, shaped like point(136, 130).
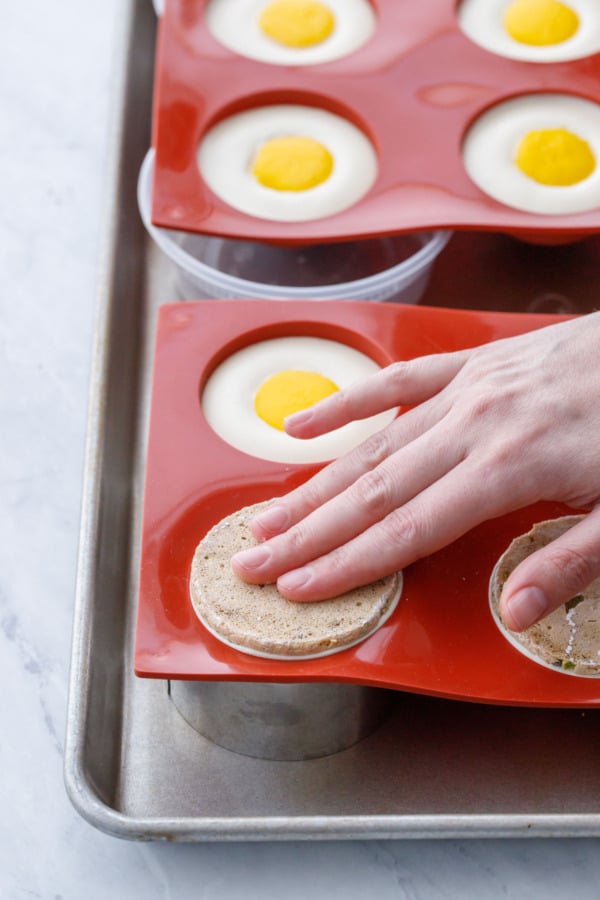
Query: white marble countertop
point(55, 75)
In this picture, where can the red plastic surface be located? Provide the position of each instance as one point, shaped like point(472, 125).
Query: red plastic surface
point(441, 639)
point(414, 88)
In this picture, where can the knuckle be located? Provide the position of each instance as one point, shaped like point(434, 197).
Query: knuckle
point(310, 497)
point(373, 493)
point(402, 528)
point(342, 404)
point(335, 568)
point(374, 450)
point(480, 405)
point(504, 473)
point(505, 453)
point(296, 539)
point(339, 560)
point(571, 566)
point(396, 374)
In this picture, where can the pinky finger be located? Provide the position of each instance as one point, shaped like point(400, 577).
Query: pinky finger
point(552, 575)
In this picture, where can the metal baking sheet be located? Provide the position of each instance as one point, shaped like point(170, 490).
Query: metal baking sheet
point(133, 767)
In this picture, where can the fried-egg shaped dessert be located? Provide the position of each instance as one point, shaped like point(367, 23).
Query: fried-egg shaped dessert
point(247, 397)
point(291, 32)
point(256, 619)
point(287, 163)
point(568, 640)
point(533, 30)
point(539, 153)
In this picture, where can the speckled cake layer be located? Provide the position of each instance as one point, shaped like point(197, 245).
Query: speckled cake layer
point(259, 619)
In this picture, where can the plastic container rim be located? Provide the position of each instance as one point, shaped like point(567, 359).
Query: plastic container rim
point(403, 273)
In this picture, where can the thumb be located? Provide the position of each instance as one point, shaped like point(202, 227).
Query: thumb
point(553, 574)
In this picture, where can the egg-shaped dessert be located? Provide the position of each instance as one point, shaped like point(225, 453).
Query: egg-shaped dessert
point(291, 32)
point(247, 397)
point(533, 30)
point(538, 153)
point(287, 162)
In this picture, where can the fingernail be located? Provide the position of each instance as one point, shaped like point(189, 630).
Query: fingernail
point(298, 418)
point(272, 520)
point(253, 558)
point(295, 579)
point(526, 607)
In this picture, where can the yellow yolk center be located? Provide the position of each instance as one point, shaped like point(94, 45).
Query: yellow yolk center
point(288, 392)
point(555, 157)
point(296, 23)
point(540, 23)
point(292, 164)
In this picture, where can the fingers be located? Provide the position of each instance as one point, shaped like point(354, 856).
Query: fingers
point(367, 500)
point(552, 575)
point(404, 493)
point(343, 472)
point(436, 516)
point(400, 384)
point(327, 483)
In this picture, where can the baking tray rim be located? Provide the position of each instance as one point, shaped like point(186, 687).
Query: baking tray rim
point(317, 828)
point(79, 786)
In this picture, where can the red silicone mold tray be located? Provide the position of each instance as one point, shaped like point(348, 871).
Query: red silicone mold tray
point(414, 88)
point(441, 639)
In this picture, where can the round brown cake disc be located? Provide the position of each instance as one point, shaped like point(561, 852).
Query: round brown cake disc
point(258, 620)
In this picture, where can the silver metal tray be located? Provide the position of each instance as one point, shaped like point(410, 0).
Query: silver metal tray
point(133, 767)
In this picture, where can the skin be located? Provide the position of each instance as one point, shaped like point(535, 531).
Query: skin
point(489, 430)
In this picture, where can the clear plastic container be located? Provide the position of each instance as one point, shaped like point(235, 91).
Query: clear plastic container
point(393, 268)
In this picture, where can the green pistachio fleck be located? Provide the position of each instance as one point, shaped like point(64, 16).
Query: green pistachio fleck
point(567, 664)
point(573, 602)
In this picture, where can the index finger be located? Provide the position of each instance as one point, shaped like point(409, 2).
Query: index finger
point(403, 383)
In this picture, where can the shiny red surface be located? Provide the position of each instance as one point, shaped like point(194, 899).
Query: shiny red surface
point(415, 87)
point(441, 639)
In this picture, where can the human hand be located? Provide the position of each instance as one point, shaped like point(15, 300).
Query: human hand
point(490, 430)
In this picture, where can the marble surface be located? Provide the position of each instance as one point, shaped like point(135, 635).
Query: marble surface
point(55, 70)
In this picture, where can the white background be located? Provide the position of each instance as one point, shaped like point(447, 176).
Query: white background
point(55, 71)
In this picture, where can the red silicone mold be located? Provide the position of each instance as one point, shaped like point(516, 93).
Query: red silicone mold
point(441, 639)
point(414, 88)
